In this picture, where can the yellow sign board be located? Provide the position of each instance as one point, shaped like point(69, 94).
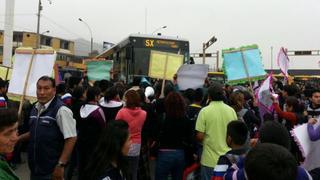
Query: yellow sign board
point(164, 65)
point(4, 74)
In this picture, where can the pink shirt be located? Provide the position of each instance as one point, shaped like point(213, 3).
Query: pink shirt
point(135, 118)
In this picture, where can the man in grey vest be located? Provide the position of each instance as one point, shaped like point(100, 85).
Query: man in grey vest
point(52, 133)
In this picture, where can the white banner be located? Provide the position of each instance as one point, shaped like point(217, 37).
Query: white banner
point(309, 149)
point(192, 76)
point(42, 65)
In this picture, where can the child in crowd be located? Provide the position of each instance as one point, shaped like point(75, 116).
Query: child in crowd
point(237, 135)
point(270, 161)
point(271, 132)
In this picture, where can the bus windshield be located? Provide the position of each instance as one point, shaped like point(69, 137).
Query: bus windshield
point(131, 57)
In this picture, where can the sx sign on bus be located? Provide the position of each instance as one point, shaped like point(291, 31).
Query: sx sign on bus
point(149, 43)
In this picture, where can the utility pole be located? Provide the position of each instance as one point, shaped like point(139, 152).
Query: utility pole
point(206, 46)
point(8, 33)
point(38, 24)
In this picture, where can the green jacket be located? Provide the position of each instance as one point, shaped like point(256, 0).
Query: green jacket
point(5, 171)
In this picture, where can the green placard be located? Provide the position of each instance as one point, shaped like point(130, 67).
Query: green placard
point(98, 70)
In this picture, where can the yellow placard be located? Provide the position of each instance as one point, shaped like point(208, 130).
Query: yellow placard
point(157, 64)
point(164, 65)
point(174, 62)
point(4, 74)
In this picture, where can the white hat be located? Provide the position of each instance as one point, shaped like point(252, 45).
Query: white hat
point(149, 92)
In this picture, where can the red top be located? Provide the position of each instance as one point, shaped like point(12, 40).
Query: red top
point(289, 116)
point(135, 118)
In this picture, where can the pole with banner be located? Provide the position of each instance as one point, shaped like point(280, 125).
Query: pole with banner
point(25, 84)
point(164, 66)
point(243, 64)
point(28, 67)
point(246, 70)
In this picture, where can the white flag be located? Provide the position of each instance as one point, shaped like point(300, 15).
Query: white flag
point(283, 62)
point(265, 92)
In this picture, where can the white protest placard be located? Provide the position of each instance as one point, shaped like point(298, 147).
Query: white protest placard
point(42, 64)
point(309, 149)
point(192, 76)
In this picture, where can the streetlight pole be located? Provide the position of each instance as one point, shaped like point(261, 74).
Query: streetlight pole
point(90, 33)
point(162, 27)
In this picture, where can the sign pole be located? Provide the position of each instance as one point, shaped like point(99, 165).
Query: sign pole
point(246, 70)
point(26, 84)
point(7, 73)
point(164, 76)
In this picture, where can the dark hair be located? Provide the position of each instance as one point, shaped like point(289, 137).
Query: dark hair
point(47, 78)
point(268, 117)
point(109, 149)
point(142, 95)
point(276, 133)
point(198, 95)
point(235, 98)
point(78, 92)
point(61, 88)
point(315, 91)
point(238, 131)
point(175, 105)
point(73, 81)
point(111, 93)
point(8, 118)
point(215, 92)
point(136, 81)
point(168, 88)
point(270, 161)
point(295, 104)
point(291, 90)
point(92, 93)
point(104, 85)
point(3, 83)
point(132, 99)
point(189, 94)
point(121, 88)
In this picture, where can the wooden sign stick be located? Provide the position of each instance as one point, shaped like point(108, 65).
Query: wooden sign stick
point(246, 70)
point(26, 85)
point(164, 76)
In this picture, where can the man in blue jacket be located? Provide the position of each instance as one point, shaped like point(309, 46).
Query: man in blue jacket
point(52, 134)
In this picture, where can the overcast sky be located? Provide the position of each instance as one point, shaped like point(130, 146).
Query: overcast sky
point(294, 24)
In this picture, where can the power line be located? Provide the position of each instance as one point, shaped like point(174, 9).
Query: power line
point(20, 14)
point(62, 27)
point(15, 26)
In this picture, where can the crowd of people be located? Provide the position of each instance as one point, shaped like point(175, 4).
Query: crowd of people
point(116, 131)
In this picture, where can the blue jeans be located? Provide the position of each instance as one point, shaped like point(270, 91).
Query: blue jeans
point(206, 172)
point(170, 162)
point(133, 166)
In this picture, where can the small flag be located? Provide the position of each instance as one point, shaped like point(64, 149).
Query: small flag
point(264, 96)
point(283, 62)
